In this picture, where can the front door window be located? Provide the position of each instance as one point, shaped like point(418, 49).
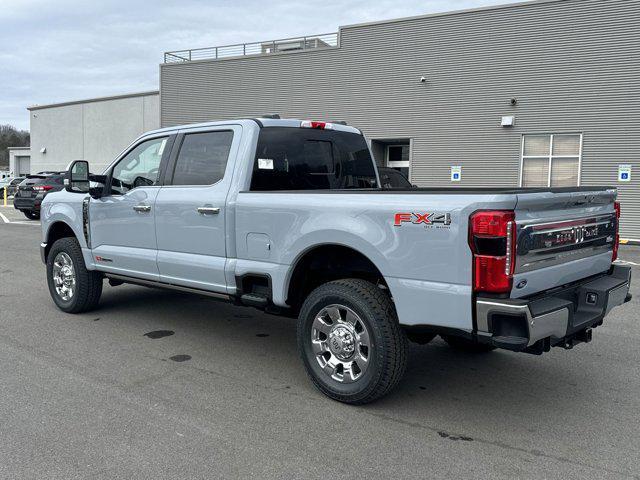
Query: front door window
point(139, 168)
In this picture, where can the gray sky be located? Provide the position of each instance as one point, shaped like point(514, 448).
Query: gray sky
point(52, 51)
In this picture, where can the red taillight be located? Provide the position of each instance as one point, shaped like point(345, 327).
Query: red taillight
point(616, 245)
point(316, 125)
point(42, 188)
point(493, 243)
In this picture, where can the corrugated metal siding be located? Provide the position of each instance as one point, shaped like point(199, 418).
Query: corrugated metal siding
point(573, 65)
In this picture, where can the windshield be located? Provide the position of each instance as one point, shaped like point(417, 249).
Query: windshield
point(309, 159)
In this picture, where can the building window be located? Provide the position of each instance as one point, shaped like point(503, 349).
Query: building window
point(398, 158)
point(551, 160)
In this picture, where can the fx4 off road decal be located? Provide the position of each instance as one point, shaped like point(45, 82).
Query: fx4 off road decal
point(428, 219)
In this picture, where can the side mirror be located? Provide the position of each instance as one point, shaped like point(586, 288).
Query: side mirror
point(77, 178)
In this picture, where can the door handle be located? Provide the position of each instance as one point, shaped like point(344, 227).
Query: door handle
point(142, 208)
point(208, 210)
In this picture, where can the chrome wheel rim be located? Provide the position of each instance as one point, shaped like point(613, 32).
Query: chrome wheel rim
point(64, 276)
point(341, 343)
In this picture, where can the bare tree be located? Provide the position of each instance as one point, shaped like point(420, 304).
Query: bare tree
point(11, 137)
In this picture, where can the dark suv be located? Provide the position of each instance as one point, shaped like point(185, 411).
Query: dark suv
point(33, 189)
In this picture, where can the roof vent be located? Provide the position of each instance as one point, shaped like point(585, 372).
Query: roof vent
point(340, 122)
point(274, 116)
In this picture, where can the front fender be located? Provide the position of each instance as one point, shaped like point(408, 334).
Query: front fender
point(65, 207)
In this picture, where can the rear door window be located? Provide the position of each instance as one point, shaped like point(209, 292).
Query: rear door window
point(305, 159)
point(203, 157)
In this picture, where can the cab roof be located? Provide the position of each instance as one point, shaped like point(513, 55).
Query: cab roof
point(262, 122)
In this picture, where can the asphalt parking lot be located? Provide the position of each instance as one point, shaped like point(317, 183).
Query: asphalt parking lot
point(225, 395)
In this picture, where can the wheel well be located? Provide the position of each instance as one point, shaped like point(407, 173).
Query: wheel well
point(327, 263)
point(57, 231)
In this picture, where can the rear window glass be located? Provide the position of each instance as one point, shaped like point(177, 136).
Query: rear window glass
point(35, 180)
point(45, 179)
point(307, 159)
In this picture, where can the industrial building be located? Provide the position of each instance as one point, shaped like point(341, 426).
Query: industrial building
point(96, 130)
point(538, 93)
point(529, 94)
point(19, 161)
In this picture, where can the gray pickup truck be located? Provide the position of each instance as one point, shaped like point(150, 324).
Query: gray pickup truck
point(288, 216)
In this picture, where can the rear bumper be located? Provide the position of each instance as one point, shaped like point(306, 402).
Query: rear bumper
point(562, 317)
point(20, 203)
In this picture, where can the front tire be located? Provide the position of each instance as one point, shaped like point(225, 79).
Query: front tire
point(31, 214)
point(350, 341)
point(73, 288)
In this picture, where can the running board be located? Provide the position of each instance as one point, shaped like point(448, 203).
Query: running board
point(253, 300)
point(169, 286)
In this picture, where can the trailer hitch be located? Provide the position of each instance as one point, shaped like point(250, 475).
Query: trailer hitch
point(584, 336)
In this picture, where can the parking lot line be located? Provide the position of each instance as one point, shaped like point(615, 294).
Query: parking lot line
point(21, 222)
point(627, 262)
point(4, 219)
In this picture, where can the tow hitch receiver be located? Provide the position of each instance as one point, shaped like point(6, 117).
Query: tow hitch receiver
point(584, 336)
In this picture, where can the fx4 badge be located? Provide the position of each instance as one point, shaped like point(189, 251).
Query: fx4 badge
point(435, 219)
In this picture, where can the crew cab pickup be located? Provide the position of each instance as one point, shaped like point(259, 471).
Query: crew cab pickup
point(289, 216)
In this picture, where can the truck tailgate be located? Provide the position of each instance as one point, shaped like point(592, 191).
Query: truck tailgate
point(563, 235)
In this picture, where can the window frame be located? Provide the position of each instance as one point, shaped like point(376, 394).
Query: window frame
point(166, 153)
point(175, 153)
point(397, 163)
point(550, 156)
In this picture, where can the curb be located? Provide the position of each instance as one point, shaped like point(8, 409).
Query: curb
point(629, 241)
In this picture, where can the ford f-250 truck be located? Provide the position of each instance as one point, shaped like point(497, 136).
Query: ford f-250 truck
point(289, 216)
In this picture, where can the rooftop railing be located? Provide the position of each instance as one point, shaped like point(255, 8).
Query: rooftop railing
point(296, 44)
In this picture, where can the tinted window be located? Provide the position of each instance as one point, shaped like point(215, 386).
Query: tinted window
point(140, 167)
point(37, 180)
point(307, 159)
point(202, 158)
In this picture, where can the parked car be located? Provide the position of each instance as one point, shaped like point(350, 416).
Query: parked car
point(390, 178)
point(33, 189)
point(13, 185)
point(288, 216)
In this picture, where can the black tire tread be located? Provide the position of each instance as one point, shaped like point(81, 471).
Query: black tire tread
point(88, 283)
point(394, 362)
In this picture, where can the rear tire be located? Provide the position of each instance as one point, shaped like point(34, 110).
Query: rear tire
point(468, 346)
point(31, 215)
point(350, 341)
point(73, 288)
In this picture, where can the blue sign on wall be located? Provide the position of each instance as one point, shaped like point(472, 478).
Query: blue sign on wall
point(624, 173)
